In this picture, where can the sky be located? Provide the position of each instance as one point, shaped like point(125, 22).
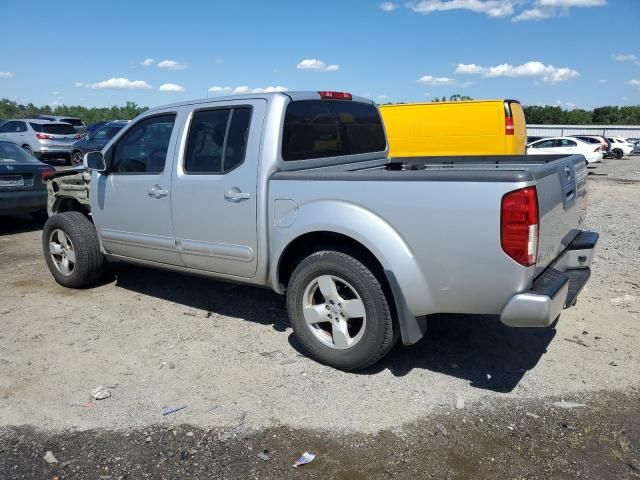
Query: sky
point(573, 53)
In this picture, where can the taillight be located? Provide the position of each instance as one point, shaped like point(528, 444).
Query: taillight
point(78, 136)
point(508, 126)
point(45, 173)
point(335, 95)
point(519, 225)
point(42, 136)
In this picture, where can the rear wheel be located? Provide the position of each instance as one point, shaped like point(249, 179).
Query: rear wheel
point(617, 153)
point(339, 311)
point(76, 159)
point(72, 250)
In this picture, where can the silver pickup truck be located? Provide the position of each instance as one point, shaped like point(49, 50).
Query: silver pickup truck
point(294, 191)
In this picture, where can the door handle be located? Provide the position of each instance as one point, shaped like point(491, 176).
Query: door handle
point(157, 192)
point(235, 195)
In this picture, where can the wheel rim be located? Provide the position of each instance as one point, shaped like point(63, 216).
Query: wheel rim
point(334, 312)
point(27, 149)
point(62, 252)
point(77, 158)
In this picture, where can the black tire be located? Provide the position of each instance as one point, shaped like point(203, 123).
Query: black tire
point(76, 159)
point(89, 261)
point(617, 153)
point(380, 331)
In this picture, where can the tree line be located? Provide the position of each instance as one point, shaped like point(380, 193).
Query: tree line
point(536, 115)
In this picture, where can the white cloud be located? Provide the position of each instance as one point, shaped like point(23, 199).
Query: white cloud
point(571, 3)
point(543, 9)
point(492, 8)
point(171, 87)
point(626, 57)
point(147, 62)
point(435, 81)
point(549, 73)
point(603, 81)
point(388, 6)
point(78, 84)
point(634, 83)
point(316, 65)
point(382, 97)
point(172, 65)
point(119, 83)
point(6, 75)
point(245, 89)
point(469, 69)
point(534, 14)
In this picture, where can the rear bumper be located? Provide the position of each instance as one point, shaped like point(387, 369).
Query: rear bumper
point(557, 288)
point(22, 201)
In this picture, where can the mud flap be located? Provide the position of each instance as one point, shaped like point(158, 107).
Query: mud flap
point(412, 329)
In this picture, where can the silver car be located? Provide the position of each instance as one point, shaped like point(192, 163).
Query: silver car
point(42, 138)
point(76, 122)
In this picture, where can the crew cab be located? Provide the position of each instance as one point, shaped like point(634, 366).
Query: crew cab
point(295, 191)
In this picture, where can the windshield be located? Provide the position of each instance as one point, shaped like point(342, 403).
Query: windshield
point(54, 128)
point(12, 153)
point(106, 133)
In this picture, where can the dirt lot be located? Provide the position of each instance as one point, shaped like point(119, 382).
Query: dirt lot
point(158, 339)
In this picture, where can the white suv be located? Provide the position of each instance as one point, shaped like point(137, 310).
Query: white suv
point(620, 146)
point(41, 138)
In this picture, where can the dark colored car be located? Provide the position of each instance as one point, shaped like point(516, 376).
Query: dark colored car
point(95, 126)
point(95, 141)
point(22, 182)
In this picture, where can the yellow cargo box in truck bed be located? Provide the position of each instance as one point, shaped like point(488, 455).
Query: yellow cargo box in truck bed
point(476, 127)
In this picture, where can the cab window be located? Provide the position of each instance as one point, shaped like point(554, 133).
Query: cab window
point(143, 149)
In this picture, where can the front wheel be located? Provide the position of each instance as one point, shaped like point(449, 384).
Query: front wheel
point(77, 159)
point(72, 250)
point(339, 311)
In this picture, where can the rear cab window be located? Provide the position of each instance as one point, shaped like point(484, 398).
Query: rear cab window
point(53, 128)
point(331, 128)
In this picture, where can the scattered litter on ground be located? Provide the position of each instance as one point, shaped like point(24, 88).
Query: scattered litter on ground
point(568, 405)
point(100, 392)
point(532, 415)
point(443, 430)
point(264, 455)
point(460, 402)
point(148, 439)
point(307, 457)
point(49, 458)
point(224, 436)
point(575, 339)
point(170, 410)
point(190, 314)
point(189, 434)
point(170, 365)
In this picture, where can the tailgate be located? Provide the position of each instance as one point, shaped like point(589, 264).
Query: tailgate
point(562, 202)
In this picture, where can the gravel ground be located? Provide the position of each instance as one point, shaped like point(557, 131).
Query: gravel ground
point(158, 339)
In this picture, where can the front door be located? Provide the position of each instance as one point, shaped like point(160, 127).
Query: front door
point(131, 203)
point(214, 189)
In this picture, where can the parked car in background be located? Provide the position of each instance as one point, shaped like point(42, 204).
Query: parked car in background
point(566, 146)
point(477, 127)
point(42, 138)
point(620, 147)
point(95, 126)
point(76, 122)
point(596, 140)
point(533, 139)
point(296, 191)
point(22, 182)
point(636, 145)
point(95, 141)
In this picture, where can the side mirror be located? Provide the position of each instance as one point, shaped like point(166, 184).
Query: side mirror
point(95, 161)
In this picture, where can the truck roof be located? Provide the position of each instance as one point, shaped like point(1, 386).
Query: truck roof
point(294, 96)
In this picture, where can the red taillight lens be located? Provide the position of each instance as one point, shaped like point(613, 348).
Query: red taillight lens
point(519, 225)
point(335, 95)
point(42, 136)
point(508, 126)
point(78, 136)
point(45, 173)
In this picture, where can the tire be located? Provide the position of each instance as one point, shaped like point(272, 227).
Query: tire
point(85, 262)
point(360, 304)
point(76, 159)
point(27, 149)
point(617, 153)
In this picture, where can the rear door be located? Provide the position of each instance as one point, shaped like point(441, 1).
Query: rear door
point(214, 189)
point(131, 204)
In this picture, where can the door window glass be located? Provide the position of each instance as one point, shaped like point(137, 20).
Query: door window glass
point(143, 149)
point(544, 144)
point(217, 140)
